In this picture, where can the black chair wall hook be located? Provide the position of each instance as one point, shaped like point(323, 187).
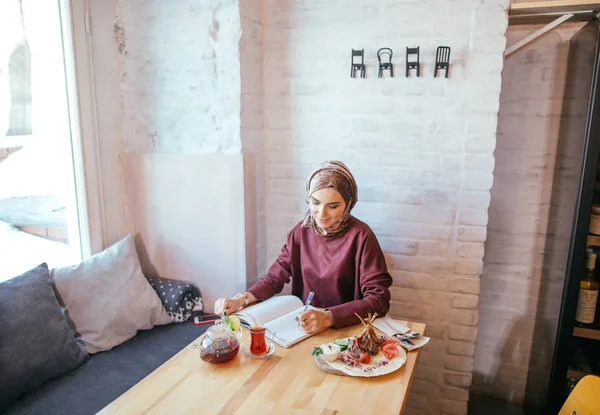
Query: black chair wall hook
point(442, 59)
point(357, 63)
point(384, 55)
point(412, 62)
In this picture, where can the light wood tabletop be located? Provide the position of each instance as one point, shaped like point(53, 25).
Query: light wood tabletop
point(288, 382)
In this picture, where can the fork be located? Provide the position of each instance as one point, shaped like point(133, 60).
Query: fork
point(406, 341)
point(410, 334)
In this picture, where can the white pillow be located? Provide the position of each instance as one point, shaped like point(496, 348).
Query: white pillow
point(107, 298)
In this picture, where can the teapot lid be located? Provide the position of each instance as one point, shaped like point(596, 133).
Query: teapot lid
point(219, 331)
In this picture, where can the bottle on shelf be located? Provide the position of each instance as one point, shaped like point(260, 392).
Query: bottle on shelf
point(588, 295)
point(594, 228)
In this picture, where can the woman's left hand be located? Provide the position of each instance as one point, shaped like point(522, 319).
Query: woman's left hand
point(312, 321)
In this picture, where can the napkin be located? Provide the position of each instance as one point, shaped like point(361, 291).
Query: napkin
point(390, 327)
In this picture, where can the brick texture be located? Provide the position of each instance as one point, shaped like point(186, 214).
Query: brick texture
point(421, 150)
point(529, 224)
point(180, 80)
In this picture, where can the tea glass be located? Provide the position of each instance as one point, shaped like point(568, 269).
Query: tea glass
point(258, 341)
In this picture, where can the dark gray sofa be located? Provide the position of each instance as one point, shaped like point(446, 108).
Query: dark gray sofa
point(107, 375)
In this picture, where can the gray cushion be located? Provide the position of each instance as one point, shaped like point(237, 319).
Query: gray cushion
point(35, 342)
point(106, 376)
point(107, 298)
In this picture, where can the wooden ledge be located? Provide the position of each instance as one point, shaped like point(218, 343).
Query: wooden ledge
point(556, 6)
point(544, 11)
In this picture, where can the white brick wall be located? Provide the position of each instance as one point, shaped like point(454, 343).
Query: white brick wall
point(421, 150)
point(180, 80)
point(529, 224)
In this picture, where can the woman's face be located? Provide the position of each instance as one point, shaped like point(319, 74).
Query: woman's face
point(326, 207)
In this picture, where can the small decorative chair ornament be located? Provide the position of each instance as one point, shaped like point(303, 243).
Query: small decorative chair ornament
point(413, 64)
point(442, 59)
point(384, 55)
point(357, 64)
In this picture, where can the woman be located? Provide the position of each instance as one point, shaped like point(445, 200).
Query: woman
point(331, 253)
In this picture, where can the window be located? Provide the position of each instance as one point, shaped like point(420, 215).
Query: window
point(50, 208)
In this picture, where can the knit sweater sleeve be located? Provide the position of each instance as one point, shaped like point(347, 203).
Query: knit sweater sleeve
point(374, 286)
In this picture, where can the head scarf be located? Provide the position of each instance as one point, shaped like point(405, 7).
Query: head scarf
point(331, 174)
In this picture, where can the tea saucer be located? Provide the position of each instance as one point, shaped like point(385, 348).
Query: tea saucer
point(247, 352)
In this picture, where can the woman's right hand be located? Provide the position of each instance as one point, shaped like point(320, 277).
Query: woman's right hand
point(228, 306)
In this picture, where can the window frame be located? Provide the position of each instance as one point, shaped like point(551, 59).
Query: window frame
point(85, 144)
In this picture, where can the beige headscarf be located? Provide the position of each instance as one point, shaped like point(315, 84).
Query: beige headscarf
point(332, 174)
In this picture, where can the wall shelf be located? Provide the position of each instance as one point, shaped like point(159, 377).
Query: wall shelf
point(553, 7)
point(544, 11)
point(587, 333)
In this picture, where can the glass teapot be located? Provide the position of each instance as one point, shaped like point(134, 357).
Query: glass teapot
point(219, 344)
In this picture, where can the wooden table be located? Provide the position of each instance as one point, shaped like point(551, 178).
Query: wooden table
point(288, 382)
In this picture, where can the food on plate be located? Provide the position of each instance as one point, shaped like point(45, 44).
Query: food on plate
point(338, 344)
point(359, 350)
point(367, 340)
point(353, 349)
point(349, 359)
point(368, 344)
point(389, 348)
point(365, 355)
point(364, 358)
point(343, 343)
point(331, 351)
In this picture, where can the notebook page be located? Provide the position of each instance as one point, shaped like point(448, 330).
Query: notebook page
point(260, 313)
point(285, 327)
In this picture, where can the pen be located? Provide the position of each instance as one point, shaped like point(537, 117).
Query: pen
point(308, 300)
point(307, 303)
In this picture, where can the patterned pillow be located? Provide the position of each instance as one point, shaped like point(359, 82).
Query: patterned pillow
point(179, 298)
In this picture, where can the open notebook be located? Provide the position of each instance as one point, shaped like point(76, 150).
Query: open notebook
point(278, 315)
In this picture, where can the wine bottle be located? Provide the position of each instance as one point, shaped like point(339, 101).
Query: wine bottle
point(588, 295)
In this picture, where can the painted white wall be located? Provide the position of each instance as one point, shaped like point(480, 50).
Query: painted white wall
point(187, 227)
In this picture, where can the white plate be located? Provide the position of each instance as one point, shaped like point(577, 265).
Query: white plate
point(378, 366)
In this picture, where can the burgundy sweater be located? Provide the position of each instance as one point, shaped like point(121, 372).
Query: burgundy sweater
point(347, 272)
